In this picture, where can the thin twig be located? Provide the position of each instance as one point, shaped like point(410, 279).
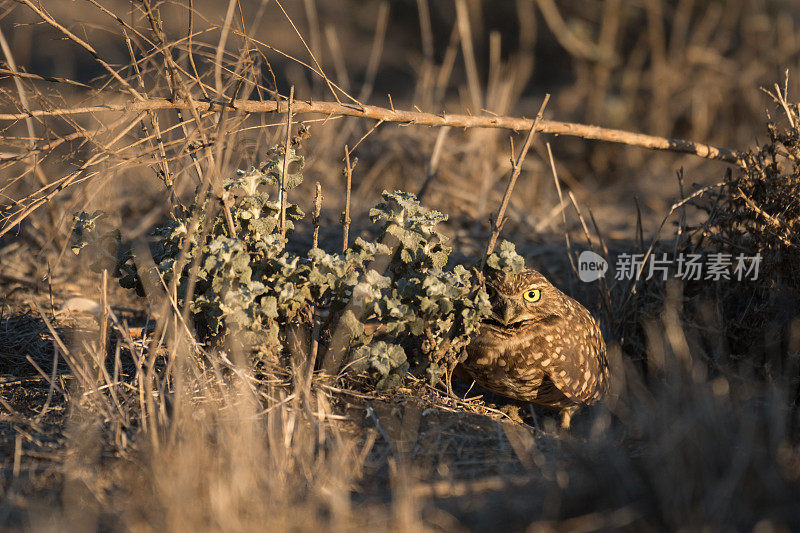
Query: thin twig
point(499, 220)
point(785, 231)
point(346, 217)
point(223, 39)
point(313, 57)
point(581, 220)
point(315, 216)
point(373, 128)
point(38, 77)
point(375, 54)
point(23, 100)
point(562, 202)
point(426, 29)
point(313, 25)
point(190, 49)
point(339, 64)
point(286, 160)
point(103, 314)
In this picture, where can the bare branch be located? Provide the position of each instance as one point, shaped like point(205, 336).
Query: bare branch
point(332, 109)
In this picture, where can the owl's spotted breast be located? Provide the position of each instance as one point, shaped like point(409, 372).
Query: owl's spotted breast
point(548, 351)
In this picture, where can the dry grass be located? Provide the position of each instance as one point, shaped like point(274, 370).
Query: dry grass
point(137, 426)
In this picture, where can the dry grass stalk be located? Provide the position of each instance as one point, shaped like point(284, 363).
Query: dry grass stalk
point(468, 51)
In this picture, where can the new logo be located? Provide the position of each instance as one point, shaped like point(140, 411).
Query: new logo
point(591, 266)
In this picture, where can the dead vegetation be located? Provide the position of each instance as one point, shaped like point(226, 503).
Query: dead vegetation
point(115, 415)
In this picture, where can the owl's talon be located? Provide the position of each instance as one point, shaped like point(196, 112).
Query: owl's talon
point(566, 416)
point(512, 411)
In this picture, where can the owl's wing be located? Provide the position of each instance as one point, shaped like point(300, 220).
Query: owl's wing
point(577, 367)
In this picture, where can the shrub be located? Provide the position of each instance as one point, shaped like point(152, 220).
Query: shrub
point(414, 313)
point(756, 211)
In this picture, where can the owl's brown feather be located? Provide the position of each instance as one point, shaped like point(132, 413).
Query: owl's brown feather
point(549, 352)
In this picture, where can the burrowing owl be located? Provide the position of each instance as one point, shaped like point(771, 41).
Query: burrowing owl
point(538, 345)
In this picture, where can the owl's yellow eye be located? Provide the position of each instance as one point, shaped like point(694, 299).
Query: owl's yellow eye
point(532, 295)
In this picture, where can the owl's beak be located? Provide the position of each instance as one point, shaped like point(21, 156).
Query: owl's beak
point(505, 312)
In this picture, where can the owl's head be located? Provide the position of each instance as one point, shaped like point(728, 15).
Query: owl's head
point(521, 299)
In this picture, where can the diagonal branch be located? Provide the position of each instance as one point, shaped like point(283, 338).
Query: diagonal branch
point(516, 168)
